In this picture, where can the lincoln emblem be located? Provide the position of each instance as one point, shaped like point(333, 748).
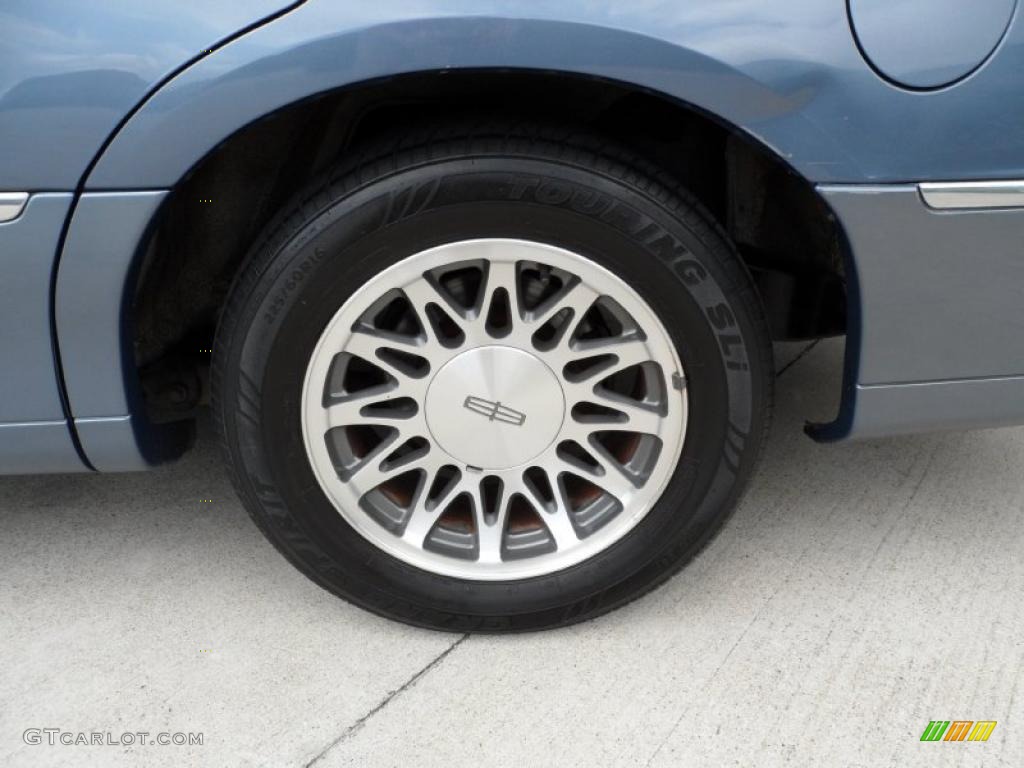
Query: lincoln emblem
point(495, 411)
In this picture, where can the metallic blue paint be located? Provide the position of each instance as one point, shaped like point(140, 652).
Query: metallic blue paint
point(34, 435)
point(26, 255)
point(903, 409)
point(126, 96)
point(918, 267)
point(788, 73)
point(38, 447)
point(69, 73)
point(938, 319)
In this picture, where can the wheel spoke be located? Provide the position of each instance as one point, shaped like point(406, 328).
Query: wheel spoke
point(578, 297)
point(580, 431)
point(422, 517)
point(421, 294)
point(367, 346)
point(558, 523)
point(627, 353)
point(371, 474)
point(639, 418)
point(348, 413)
point(502, 274)
point(490, 533)
point(585, 388)
point(608, 478)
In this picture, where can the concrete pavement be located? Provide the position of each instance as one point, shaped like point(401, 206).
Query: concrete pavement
point(859, 592)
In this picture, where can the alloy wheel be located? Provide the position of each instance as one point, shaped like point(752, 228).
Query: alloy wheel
point(494, 409)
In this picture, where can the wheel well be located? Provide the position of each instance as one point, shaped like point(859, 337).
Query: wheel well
point(783, 230)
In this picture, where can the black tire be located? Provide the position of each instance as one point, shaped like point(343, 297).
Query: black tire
point(549, 185)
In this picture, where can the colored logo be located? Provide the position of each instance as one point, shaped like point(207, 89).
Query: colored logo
point(958, 730)
point(495, 411)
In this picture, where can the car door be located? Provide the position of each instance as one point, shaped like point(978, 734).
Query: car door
point(70, 74)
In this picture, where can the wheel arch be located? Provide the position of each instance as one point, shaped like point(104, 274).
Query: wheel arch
point(267, 70)
point(191, 146)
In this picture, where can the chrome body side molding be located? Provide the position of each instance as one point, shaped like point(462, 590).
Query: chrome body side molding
point(976, 195)
point(11, 205)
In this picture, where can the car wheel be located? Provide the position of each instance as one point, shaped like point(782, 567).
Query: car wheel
point(492, 378)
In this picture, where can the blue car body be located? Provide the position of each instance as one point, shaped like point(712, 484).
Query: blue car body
point(901, 114)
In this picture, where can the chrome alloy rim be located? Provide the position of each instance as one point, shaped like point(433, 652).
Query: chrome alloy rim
point(494, 409)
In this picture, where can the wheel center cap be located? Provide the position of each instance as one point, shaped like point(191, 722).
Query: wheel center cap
point(495, 407)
